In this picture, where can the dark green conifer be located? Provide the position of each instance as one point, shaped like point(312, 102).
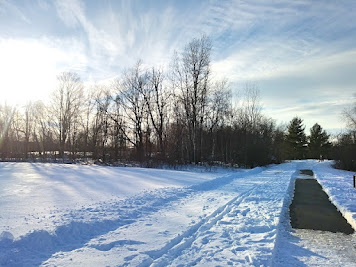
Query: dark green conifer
point(319, 144)
point(296, 140)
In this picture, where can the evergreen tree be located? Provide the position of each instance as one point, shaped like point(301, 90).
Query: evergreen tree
point(296, 140)
point(319, 144)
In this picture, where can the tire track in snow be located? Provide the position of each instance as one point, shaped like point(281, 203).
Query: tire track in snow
point(177, 245)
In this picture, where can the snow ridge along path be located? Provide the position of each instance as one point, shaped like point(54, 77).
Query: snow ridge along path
point(299, 247)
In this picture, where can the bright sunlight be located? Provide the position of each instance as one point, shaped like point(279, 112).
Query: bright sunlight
point(29, 70)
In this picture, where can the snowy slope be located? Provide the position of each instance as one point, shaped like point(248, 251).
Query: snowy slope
point(41, 196)
point(72, 215)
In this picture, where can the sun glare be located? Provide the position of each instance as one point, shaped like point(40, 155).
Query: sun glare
point(28, 71)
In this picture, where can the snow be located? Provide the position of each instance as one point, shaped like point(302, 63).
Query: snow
point(37, 196)
point(297, 247)
point(75, 215)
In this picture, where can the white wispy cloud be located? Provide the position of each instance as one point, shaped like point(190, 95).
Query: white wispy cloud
point(327, 113)
point(10, 7)
point(120, 37)
point(102, 45)
point(301, 55)
point(289, 48)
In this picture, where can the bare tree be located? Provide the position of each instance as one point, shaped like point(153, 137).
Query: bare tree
point(350, 116)
point(345, 150)
point(119, 130)
point(183, 120)
point(191, 78)
point(6, 132)
point(99, 124)
point(104, 104)
point(66, 106)
point(249, 113)
point(29, 125)
point(157, 99)
point(131, 99)
point(42, 134)
point(23, 124)
point(16, 135)
point(219, 111)
point(88, 110)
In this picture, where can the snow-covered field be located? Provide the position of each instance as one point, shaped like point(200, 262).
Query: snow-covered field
point(73, 215)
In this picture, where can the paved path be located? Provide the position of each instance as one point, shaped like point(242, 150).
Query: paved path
point(312, 209)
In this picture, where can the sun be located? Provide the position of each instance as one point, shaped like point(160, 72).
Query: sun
point(27, 70)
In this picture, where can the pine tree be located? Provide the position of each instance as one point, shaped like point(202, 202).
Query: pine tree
point(318, 142)
point(296, 140)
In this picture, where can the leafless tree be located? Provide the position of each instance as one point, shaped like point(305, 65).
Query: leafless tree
point(191, 77)
point(119, 130)
point(42, 134)
point(219, 110)
point(29, 125)
point(99, 124)
point(187, 118)
point(66, 107)
point(6, 118)
point(88, 110)
point(349, 114)
point(23, 123)
point(157, 99)
point(249, 112)
point(130, 96)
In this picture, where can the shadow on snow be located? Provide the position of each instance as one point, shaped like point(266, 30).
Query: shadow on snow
point(38, 246)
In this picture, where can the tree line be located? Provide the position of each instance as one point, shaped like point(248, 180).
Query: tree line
point(345, 148)
point(147, 115)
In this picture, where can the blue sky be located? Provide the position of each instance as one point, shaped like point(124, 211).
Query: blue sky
point(301, 54)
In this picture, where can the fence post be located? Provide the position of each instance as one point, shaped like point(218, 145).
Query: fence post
point(354, 181)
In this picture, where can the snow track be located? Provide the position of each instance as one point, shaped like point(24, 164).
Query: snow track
point(54, 215)
point(184, 241)
point(96, 220)
point(231, 219)
point(241, 231)
point(244, 233)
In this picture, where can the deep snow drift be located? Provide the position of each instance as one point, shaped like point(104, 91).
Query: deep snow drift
point(72, 215)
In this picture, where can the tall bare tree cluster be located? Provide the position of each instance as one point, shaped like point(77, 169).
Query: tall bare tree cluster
point(180, 115)
point(345, 150)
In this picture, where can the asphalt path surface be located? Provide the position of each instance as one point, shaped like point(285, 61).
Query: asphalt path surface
point(312, 209)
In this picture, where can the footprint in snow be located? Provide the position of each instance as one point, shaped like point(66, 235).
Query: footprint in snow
point(245, 211)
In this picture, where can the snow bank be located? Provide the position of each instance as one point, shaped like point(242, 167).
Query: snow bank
point(298, 247)
point(37, 196)
point(338, 184)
